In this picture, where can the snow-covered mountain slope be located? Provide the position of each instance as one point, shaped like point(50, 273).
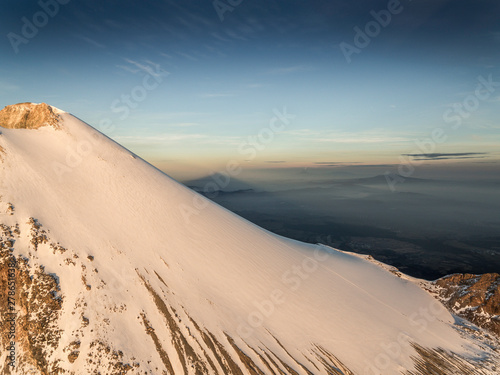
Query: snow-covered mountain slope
point(122, 270)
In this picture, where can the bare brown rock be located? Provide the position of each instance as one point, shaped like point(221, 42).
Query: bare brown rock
point(473, 297)
point(28, 116)
point(73, 356)
point(30, 307)
point(29, 298)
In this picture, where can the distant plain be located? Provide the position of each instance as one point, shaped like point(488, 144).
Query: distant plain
point(427, 227)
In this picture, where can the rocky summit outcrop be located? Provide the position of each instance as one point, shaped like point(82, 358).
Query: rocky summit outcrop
point(473, 297)
point(28, 116)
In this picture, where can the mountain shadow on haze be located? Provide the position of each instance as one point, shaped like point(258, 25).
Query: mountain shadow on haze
point(428, 228)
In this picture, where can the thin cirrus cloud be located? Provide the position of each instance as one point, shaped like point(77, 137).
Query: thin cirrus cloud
point(5, 86)
point(158, 139)
point(187, 56)
point(91, 41)
point(366, 139)
point(449, 156)
point(177, 138)
point(371, 136)
point(255, 85)
point(330, 163)
point(217, 95)
point(336, 164)
point(147, 66)
point(289, 69)
point(183, 124)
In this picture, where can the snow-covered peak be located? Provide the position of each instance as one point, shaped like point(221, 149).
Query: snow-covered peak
point(29, 116)
point(123, 270)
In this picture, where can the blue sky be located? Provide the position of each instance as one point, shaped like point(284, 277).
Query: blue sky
point(186, 89)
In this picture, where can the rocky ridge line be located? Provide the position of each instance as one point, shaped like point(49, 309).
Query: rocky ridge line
point(475, 298)
point(29, 116)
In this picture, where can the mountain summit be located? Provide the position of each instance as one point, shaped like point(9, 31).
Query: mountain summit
point(29, 116)
point(109, 266)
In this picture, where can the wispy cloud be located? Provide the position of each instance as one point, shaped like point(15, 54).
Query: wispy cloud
point(448, 156)
point(234, 35)
point(128, 69)
point(179, 138)
point(301, 132)
point(161, 138)
point(275, 161)
point(187, 56)
point(483, 126)
point(346, 138)
point(368, 136)
point(183, 124)
point(173, 118)
point(255, 85)
point(350, 164)
point(289, 69)
point(216, 95)
point(336, 162)
point(114, 24)
point(91, 41)
point(5, 86)
point(220, 37)
point(373, 165)
point(146, 66)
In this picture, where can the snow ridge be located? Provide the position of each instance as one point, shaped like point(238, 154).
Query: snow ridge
point(128, 285)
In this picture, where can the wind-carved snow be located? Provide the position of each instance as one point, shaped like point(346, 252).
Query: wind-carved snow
point(143, 275)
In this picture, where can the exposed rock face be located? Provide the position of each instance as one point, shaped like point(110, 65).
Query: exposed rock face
point(28, 116)
point(473, 297)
